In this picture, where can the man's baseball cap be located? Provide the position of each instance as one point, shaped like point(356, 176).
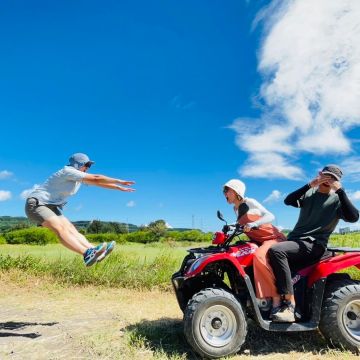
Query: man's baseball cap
point(333, 170)
point(78, 160)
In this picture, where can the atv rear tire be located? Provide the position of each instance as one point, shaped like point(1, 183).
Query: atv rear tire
point(340, 314)
point(214, 323)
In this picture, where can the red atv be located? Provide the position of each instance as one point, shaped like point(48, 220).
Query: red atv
point(215, 291)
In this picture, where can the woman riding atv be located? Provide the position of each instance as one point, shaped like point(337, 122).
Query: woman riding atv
point(257, 226)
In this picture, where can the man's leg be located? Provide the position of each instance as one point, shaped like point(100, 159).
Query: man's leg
point(279, 257)
point(294, 253)
point(297, 253)
point(65, 235)
point(80, 237)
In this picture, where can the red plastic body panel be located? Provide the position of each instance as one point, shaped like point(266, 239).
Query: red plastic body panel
point(330, 266)
point(219, 238)
point(240, 256)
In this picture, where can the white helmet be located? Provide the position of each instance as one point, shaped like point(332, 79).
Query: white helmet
point(237, 185)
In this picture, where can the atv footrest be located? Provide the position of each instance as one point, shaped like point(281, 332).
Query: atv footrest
point(308, 326)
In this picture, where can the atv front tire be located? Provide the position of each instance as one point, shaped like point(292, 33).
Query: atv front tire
point(214, 323)
point(340, 315)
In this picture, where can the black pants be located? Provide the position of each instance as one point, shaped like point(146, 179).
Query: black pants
point(294, 254)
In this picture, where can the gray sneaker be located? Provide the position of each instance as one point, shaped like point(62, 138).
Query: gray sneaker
point(286, 314)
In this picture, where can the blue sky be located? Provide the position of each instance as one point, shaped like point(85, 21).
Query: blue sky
point(179, 96)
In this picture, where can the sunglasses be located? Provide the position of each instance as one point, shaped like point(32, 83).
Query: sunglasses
point(226, 189)
point(88, 165)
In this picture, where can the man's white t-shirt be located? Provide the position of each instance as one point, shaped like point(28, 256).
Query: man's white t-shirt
point(59, 186)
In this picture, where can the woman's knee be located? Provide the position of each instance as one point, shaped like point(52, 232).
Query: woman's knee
point(259, 257)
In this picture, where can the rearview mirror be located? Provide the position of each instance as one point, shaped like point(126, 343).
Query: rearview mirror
point(220, 216)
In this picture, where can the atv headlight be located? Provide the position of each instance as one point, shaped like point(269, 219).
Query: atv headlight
point(195, 265)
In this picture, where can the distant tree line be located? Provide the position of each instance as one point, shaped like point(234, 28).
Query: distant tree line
point(10, 223)
point(23, 232)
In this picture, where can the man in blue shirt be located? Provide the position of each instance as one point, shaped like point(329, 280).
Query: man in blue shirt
point(44, 205)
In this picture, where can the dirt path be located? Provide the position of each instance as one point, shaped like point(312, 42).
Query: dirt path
point(40, 320)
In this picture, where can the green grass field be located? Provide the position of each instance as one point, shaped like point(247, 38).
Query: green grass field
point(143, 252)
point(137, 266)
point(131, 265)
point(152, 326)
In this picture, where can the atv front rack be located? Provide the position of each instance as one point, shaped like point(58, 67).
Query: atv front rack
point(207, 250)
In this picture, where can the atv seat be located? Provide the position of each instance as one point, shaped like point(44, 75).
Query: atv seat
point(329, 253)
point(342, 249)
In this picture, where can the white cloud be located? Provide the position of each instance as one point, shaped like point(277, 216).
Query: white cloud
point(269, 165)
point(355, 196)
point(275, 195)
point(351, 168)
point(168, 226)
point(131, 203)
point(24, 194)
point(5, 195)
point(310, 63)
point(4, 174)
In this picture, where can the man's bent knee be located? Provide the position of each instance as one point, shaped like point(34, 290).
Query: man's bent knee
point(276, 252)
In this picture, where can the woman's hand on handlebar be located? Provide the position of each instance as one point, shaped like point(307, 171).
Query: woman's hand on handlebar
point(250, 226)
point(247, 228)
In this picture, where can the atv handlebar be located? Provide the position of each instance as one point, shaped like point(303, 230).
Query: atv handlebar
point(232, 227)
point(237, 230)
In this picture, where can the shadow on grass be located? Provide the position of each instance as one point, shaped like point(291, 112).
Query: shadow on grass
point(262, 342)
point(165, 335)
point(13, 325)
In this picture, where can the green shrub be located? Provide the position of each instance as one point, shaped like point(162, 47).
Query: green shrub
point(2, 240)
point(172, 236)
point(196, 236)
point(142, 237)
point(33, 236)
point(99, 238)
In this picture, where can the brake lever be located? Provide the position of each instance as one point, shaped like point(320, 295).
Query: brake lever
point(237, 228)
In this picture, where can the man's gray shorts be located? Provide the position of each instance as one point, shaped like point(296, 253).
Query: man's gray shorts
point(40, 213)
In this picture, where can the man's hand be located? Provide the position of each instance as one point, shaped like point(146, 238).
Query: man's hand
point(125, 189)
point(335, 185)
point(126, 182)
point(320, 179)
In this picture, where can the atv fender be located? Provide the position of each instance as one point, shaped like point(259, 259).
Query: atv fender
point(201, 263)
point(238, 256)
point(332, 265)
